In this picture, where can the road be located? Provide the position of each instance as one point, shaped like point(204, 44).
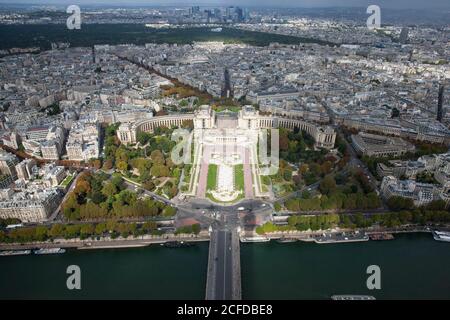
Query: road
point(223, 281)
point(101, 244)
point(346, 212)
point(298, 193)
point(134, 186)
point(223, 265)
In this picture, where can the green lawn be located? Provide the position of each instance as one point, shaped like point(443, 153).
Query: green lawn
point(212, 177)
point(239, 177)
point(67, 180)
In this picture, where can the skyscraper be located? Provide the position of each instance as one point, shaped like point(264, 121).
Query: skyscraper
point(240, 14)
point(226, 88)
point(404, 35)
point(440, 103)
point(195, 9)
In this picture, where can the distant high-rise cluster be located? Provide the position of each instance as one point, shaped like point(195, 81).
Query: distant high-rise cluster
point(219, 15)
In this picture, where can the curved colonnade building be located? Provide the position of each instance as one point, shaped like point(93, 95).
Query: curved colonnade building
point(247, 118)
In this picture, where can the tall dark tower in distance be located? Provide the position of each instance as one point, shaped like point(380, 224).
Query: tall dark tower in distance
point(226, 88)
point(404, 35)
point(440, 103)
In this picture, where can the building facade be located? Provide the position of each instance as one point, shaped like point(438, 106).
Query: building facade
point(372, 145)
point(28, 206)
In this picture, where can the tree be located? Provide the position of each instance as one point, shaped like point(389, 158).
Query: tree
point(395, 113)
point(111, 225)
point(176, 173)
point(71, 208)
point(152, 207)
point(96, 163)
point(91, 210)
point(306, 194)
point(56, 230)
point(287, 175)
point(117, 180)
point(284, 140)
point(328, 185)
point(82, 185)
point(346, 222)
point(292, 205)
point(405, 217)
point(109, 189)
point(159, 171)
point(100, 228)
point(143, 137)
point(315, 169)
point(304, 168)
point(350, 202)
point(149, 226)
point(148, 185)
point(41, 233)
point(170, 190)
point(399, 203)
point(326, 167)
point(3, 236)
point(277, 206)
point(22, 234)
point(107, 164)
point(169, 163)
point(118, 209)
point(436, 205)
point(97, 197)
point(196, 228)
point(364, 182)
point(373, 201)
point(157, 157)
point(86, 230)
point(122, 154)
point(112, 129)
point(359, 220)
point(169, 211)
point(143, 165)
point(123, 229)
point(126, 197)
point(122, 166)
point(71, 231)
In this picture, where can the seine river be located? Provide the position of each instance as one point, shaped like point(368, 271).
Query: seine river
point(412, 266)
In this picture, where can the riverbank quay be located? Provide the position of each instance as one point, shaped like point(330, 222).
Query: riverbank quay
point(146, 240)
point(311, 236)
point(107, 242)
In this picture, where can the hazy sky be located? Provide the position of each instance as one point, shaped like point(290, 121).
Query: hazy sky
point(398, 4)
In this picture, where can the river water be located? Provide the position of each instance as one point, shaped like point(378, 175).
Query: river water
point(413, 266)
